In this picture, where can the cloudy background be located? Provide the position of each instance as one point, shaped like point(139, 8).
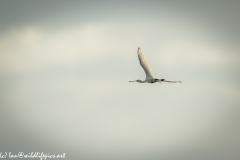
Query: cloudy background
point(65, 67)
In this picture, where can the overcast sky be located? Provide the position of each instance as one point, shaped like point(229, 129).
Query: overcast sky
point(65, 67)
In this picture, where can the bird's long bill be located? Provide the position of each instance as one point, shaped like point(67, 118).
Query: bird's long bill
point(132, 81)
point(173, 81)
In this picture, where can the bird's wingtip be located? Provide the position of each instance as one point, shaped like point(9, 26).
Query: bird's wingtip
point(139, 48)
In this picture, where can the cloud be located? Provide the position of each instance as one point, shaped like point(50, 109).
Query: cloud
point(87, 44)
point(70, 86)
point(32, 47)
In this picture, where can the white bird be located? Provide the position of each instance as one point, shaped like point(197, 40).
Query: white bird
point(148, 71)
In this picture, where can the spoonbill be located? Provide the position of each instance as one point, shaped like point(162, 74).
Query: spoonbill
point(148, 71)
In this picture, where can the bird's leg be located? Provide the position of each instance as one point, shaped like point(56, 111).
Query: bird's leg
point(172, 81)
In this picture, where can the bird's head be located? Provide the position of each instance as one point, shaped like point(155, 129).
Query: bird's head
point(139, 81)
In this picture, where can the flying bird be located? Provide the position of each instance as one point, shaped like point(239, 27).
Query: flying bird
point(149, 75)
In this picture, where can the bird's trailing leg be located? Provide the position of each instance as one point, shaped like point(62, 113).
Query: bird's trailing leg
point(163, 80)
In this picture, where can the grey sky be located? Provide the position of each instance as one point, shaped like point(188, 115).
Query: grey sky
point(65, 67)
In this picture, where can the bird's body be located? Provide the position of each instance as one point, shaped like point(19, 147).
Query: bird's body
point(149, 75)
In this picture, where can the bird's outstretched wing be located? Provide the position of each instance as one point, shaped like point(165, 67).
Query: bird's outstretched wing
point(144, 64)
